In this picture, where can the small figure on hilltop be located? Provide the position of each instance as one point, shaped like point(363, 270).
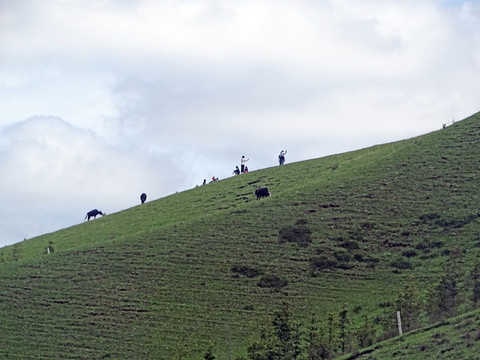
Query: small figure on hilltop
point(204, 181)
point(214, 178)
point(243, 161)
point(245, 170)
point(93, 213)
point(143, 198)
point(281, 157)
point(236, 171)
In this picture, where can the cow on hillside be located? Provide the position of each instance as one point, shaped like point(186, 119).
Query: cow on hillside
point(262, 192)
point(143, 197)
point(93, 213)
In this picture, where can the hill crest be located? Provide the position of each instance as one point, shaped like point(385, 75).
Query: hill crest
point(167, 278)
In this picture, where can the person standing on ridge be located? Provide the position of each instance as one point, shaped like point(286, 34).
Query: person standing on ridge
point(281, 157)
point(243, 161)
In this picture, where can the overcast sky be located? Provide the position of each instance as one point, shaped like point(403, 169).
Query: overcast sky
point(101, 100)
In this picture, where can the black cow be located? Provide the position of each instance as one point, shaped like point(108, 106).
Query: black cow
point(93, 213)
point(143, 197)
point(262, 192)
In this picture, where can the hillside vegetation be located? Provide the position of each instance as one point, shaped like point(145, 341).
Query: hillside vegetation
point(206, 268)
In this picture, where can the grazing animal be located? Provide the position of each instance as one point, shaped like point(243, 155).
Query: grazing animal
point(262, 192)
point(143, 197)
point(93, 213)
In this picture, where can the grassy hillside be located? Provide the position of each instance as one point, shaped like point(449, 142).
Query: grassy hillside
point(205, 267)
point(454, 338)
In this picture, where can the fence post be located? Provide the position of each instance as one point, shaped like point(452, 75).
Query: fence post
point(399, 321)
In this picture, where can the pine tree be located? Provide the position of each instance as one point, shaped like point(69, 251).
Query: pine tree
point(443, 299)
point(332, 335)
point(287, 332)
point(366, 333)
point(317, 340)
point(279, 339)
point(343, 325)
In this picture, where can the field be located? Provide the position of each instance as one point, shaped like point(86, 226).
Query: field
point(206, 267)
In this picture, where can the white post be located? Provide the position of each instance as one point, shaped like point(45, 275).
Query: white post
point(399, 321)
point(48, 249)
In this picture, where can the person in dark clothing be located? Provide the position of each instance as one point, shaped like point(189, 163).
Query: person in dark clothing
point(281, 157)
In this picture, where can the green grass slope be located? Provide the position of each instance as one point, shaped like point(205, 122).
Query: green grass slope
point(454, 338)
point(204, 267)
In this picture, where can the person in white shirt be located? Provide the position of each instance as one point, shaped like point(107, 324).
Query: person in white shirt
point(243, 161)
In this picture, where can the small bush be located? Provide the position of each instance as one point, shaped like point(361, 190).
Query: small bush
point(342, 256)
point(357, 309)
point(429, 217)
point(50, 248)
point(401, 264)
point(422, 246)
point(456, 223)
point(323, 262)
point(477, 335)
point(358, 257)
point(295, 234)
point(409, 253)
point(301, 222)
point(385, 304)
point(272, 281)
point(368, 225)
point(246, 271)
point(349, 245)
point(428, 246)
point(372, 261)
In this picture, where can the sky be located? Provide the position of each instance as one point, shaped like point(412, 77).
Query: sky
point(101, 100)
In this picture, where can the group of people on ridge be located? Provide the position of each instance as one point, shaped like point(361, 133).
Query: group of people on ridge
point(244, 168)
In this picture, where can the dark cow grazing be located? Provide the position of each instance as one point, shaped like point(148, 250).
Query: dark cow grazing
point(262, 192)
point(93, 213)
point(143, 197)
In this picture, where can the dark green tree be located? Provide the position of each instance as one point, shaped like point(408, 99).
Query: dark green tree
point(343, 327)
point(443, 298)
point(263, 347)
point(332, 333)
point(288, 333)
point(316, 340)
point(16, 251)
point(365, 334)
point(279, 339)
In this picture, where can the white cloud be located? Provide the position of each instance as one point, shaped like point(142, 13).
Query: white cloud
point(155, 96)
point(57, 169)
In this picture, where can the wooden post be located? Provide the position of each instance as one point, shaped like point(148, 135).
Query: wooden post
point(399, 321)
